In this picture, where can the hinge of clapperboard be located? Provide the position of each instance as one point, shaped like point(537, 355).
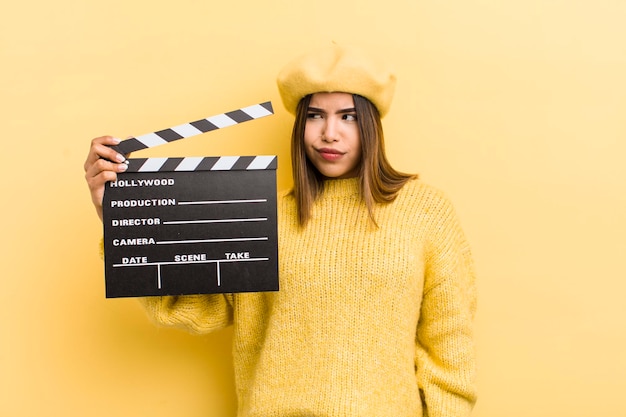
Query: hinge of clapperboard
point(198, 127)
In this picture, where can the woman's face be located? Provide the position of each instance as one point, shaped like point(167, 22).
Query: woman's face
point(331, 135)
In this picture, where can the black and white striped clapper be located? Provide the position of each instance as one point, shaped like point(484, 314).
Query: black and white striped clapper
point(198, 127)
point(192, 225)
point(195, 225)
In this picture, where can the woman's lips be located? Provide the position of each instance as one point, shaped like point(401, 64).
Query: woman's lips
point(330, 154)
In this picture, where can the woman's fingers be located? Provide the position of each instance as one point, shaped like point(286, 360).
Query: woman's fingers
point(101, 149)
point(100, 168)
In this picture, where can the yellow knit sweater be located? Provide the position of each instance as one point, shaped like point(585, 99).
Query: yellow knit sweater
point(368, 322)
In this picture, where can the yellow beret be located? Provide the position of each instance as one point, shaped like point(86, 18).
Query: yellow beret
point(336, 69)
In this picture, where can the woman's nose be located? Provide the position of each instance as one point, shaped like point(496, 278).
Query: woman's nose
point(330, 132)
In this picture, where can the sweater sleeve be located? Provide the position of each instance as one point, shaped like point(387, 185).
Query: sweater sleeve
point(445, 353)
point(195, 313)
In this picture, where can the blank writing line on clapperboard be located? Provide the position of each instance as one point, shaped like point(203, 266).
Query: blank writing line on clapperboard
point(198, 127)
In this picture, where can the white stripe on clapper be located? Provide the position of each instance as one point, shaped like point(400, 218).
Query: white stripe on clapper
point(186, 130)
point(225, 163)
point(152, 164)
point(189, 164)
point(221, 120)
point(256, 111)
point(151, 139)
point(261, 162)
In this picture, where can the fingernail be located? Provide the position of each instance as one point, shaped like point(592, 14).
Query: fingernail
point(120, 158)
point(116, 140)
point(122, 167)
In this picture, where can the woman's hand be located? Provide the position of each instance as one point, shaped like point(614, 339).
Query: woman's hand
point(99, 169)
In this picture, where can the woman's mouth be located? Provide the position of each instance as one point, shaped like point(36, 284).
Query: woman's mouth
point(330, 154)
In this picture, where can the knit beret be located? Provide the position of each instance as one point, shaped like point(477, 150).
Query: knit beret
point(336, 69)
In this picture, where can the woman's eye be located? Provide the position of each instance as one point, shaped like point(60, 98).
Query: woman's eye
point(349, 117)
point(313, 116)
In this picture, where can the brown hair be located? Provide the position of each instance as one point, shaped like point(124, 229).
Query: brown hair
point(379, 181)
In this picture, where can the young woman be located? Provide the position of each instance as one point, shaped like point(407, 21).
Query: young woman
point(377, 299)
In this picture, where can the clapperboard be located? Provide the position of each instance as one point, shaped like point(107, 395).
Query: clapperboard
point(193, 225)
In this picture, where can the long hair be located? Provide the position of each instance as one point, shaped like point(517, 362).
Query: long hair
point(379, 181)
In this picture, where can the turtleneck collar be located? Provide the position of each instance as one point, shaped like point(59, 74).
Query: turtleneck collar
point(341, 187)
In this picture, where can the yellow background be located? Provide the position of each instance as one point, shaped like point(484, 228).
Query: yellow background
point(517, 109)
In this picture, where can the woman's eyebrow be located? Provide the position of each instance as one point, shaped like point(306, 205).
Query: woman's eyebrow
point(348, 110)
point(341, 111)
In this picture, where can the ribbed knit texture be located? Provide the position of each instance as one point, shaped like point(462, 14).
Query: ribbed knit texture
point(368, 322)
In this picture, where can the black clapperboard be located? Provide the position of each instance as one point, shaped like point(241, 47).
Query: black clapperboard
point(193, 225)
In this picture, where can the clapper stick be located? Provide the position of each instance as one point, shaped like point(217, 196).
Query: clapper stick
point(198, 127)
point(207, 163)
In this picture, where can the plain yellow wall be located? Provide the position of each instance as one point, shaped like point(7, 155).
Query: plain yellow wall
point(517, 109)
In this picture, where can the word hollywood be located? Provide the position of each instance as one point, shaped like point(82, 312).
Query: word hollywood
point(149, 182)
